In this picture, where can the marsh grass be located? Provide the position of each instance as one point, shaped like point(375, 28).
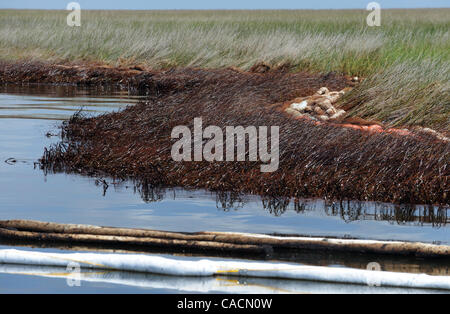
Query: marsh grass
point(405, 61)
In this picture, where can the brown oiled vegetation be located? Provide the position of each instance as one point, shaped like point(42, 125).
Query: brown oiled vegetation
point(76, 73)
point(323, 160)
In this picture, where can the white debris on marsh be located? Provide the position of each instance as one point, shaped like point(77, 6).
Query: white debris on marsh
point(319, 106)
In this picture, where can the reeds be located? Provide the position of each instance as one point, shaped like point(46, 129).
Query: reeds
point(307, 40)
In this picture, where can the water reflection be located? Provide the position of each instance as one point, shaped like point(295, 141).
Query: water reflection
point(110, 279)
point(348, 211)
point(403, 214)
point(228, 201)
point(45, 102)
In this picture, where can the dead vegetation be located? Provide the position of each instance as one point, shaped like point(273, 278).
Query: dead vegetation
point(76, 73)
point(325, 160)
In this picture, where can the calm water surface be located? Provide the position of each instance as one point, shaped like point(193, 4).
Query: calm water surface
point(28, 115)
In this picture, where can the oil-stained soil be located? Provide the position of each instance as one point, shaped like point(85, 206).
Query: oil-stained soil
point(82, 74)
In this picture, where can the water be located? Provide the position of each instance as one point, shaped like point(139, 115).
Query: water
point(30, 115)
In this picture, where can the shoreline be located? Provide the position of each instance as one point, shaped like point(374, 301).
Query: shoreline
point(142, 80)
point(322, 160)
point(317, 158)
point(77, 73)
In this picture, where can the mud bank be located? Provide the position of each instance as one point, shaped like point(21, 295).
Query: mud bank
point(316, 160)
point(82, 74)
point(141, 78)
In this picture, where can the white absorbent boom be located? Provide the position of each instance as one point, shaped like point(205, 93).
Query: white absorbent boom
point(216, 267)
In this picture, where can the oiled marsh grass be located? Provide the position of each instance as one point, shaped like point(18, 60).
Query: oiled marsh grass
point(324, 160)
point(410, 48)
